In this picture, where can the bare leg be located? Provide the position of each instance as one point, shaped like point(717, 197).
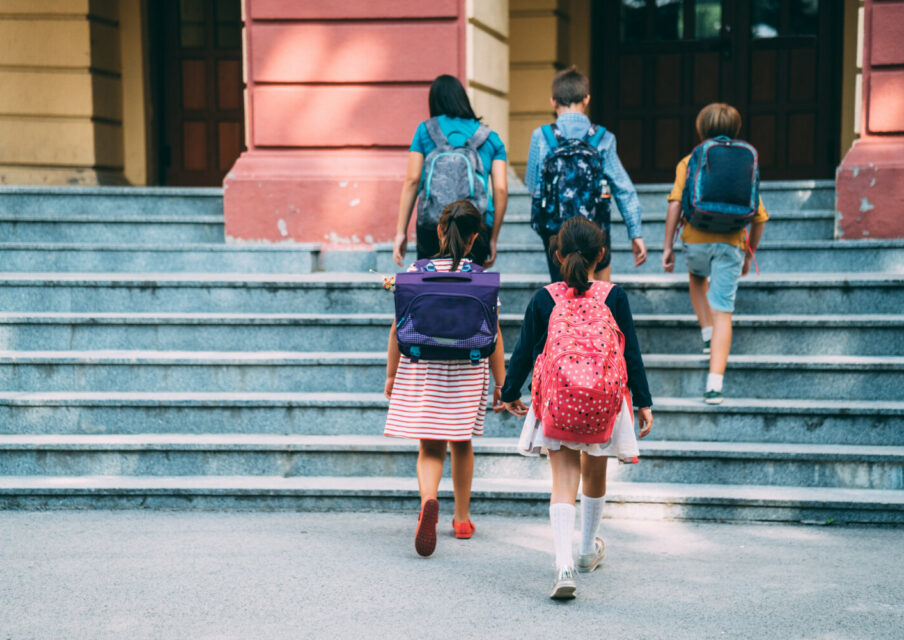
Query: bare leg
point(566, 475)
point(462, 474)
point(698, 287)
point(430, 468)
point(721, 343)
point(593, 475)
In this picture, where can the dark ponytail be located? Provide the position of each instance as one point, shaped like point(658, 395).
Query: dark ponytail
point(458, 222)
point(579, 241)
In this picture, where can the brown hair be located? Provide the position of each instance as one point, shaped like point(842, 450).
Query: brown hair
point(569, 86)
point(718, 119)
point(580, 243)
point(458, 222)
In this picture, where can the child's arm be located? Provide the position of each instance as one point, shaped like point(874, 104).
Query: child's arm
point(497, 367)
point(392, 361)
point(521, 363)
point(672, 218)
point(628, 202)
point(500, 202)
point(637, 375)
point(406, 204)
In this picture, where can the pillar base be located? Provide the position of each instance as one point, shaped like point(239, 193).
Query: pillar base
point(869, 189)
point(337, 198)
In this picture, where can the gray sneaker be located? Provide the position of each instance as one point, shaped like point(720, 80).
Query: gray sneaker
point(588, 562)
point(565, 586)
point(706, 346)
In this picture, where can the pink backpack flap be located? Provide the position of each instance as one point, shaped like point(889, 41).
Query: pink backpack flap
point(580, 379)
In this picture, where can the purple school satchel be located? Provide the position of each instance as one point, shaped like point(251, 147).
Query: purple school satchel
point(446, 315)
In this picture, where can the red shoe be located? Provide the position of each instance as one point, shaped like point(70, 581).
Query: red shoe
point(425, 537)
point(463, 530)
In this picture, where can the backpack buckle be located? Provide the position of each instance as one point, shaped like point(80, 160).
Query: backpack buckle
point(475, 357)
point(430, 266)
point(466, 267)
point(415, 353)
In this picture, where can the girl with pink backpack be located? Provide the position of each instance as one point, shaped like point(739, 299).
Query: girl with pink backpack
point(578, 340)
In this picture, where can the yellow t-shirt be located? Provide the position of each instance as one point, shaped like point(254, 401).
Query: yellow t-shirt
point(690, 235)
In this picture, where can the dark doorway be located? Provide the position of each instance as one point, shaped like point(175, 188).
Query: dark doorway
point(197, 48)
point(657, 62)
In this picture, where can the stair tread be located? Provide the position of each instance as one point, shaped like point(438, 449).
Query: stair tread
point(482, 488)
point(770, 245)
point(380, 443)
point(47, 317)
point(378, 400)
point(287, 247)
point(123, 356)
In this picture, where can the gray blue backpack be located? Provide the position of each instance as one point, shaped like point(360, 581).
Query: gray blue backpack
point(452, 174)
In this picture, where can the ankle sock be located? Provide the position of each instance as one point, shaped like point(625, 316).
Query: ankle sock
point(707, 333)
point(591, 514)
point(714, 382)
point(561, 516)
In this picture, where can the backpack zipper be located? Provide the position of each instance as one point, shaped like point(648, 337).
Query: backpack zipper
point(433, 164)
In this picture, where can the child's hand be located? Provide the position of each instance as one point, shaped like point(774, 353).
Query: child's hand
point(668, 259)
point(387, 388)
point(746, 268)
point(645, 418)
point(491, 260)
point(515, 407)
point(640, 251)
point(497, 399)
point(399, 246)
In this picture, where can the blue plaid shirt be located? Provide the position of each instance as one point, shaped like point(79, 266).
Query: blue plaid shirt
point(575, 125)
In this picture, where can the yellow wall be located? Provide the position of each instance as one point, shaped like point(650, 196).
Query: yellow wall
point(64, 102)
point(850, 73)
point(487, 62)
point(546, 35)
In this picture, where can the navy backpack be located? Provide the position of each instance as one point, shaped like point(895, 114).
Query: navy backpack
point(572, 182)
point(722, 191)
point(446, 315)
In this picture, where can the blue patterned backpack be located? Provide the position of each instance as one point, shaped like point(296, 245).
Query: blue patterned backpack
point(571, 180)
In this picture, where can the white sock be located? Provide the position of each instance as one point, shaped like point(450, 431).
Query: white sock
point(714, 382)
point(561, 516)
point(591, 514)
point(707, 333)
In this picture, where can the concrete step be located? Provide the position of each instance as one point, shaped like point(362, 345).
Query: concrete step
point(135, 201)
point(496, 496)
point(835, 293)
point(841, 466)
point(785, 377)
point(777, 195)
point(789, 335)
point(798, 257)
point(783, 226)
point(163, 227)
point(168, 257)
point(677, 419)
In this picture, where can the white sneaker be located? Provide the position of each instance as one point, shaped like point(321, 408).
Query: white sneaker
point(588, 562)
point(565, 586)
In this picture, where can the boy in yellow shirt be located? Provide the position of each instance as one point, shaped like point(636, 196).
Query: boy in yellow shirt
point(721, 257)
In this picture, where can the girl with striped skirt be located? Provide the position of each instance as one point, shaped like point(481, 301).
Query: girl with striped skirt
point(440, 402)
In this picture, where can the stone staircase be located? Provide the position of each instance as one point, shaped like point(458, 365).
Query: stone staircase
point(146, 363)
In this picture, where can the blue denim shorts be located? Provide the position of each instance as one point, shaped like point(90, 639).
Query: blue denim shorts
point(722, 264)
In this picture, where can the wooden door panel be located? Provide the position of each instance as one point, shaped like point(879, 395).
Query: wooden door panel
point(202, 89)
point(772, 59)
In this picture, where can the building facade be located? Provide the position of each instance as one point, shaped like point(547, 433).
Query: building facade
point(305, 110)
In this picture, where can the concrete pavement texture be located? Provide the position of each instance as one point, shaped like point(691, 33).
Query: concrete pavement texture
point(168, 575)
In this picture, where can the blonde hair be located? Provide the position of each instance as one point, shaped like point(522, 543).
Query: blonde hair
point(718, 119)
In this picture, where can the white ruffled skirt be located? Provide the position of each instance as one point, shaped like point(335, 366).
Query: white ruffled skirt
point(622, 444)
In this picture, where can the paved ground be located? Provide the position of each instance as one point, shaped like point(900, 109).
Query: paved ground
point(72, 575)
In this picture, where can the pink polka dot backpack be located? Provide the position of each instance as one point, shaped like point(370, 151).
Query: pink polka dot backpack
point(580, 379)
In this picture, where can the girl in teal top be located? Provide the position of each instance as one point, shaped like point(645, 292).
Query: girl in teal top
point(449, 103)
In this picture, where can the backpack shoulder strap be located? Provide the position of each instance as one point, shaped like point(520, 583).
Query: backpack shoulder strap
point(558, 291)
point(436, 133)
point(425, 264)
point(594, 135)
point(551, 133)
point(479, 137)
point(602, 289)
point(473, 267)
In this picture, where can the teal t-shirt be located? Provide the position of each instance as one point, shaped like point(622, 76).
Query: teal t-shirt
point(458, 131)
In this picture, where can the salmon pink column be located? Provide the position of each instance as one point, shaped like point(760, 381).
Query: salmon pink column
point(334, 93)
point(870, 181)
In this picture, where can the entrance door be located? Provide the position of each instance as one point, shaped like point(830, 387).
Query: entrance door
point(657, 62)
point(201, 85)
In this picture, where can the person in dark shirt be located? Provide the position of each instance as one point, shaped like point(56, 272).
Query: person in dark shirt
point(579, 248)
